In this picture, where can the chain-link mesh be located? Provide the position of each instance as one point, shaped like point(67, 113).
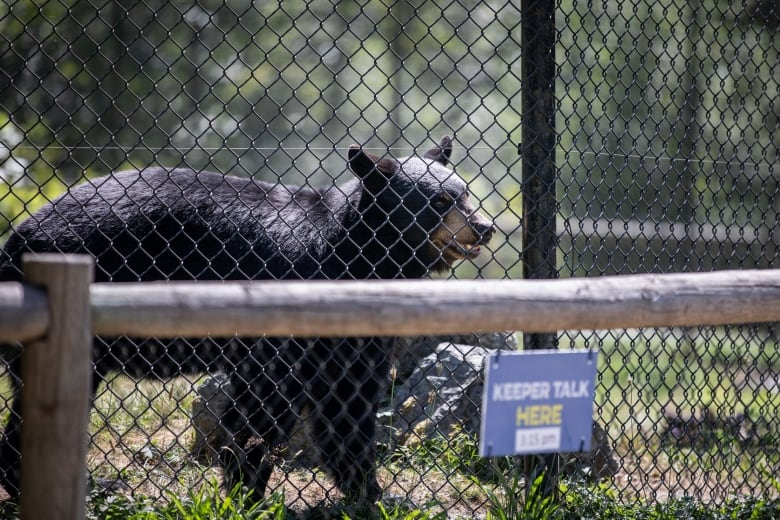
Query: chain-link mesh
point(668, 161)
point(667, 153)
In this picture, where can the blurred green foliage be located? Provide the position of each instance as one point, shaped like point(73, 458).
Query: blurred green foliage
point(20, 200)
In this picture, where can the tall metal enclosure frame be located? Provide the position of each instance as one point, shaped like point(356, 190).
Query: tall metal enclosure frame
point(539, 178)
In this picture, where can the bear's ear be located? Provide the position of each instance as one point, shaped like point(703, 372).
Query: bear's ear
point(441, 153)
point(369, 167)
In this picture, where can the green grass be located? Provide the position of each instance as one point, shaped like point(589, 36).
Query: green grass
point(209, 503)
point(505, 502)
point(205, 504)
point(603, 502)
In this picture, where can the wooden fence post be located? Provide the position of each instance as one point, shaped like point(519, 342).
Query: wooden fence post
point(57, 377)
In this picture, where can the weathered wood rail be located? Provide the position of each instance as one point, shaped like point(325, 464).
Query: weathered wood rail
point(409, 308)
point(59, 310)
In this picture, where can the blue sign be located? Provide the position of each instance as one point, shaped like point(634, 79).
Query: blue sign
point(537, 401)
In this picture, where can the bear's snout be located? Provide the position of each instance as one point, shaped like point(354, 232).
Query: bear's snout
point(483, 227)
point(462, 231)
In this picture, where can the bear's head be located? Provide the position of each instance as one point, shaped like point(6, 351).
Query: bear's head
point(424, 203)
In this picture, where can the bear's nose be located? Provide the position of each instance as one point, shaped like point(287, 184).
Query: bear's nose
point(483, 227)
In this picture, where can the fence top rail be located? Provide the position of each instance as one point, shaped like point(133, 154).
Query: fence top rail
point(24, 312)
point(414, 307)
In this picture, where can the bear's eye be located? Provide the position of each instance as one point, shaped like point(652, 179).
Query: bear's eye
point(441, 202)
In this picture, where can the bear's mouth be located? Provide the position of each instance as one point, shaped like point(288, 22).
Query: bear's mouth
point(456, 250)
point(465, 250)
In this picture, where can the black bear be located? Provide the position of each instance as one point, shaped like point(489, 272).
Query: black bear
point(398, 218)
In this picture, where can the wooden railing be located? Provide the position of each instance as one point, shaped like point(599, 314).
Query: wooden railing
point(58, 310)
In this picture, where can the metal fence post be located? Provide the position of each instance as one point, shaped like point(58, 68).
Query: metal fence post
point(57, 376)
point(540, 206)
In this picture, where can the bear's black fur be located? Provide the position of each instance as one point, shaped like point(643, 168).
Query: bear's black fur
point(399, 218)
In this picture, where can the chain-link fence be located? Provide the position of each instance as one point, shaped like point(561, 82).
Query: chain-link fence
point(666, 153)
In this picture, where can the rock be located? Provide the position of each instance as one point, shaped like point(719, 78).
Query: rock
point(409, 352)
point(444, 393)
